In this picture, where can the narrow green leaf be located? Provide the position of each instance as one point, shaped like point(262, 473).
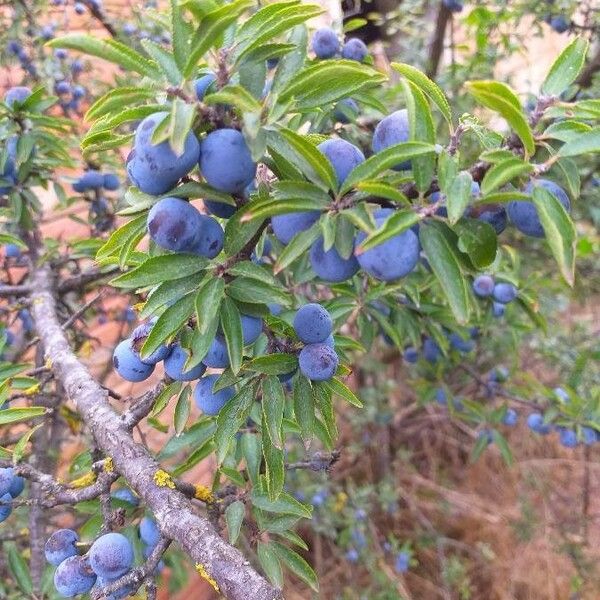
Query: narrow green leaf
point(441, 252)
point(386, 159)
point(285, 504)
point(164, 59)
point(234, 517)
point(253, 291)
point(428, 87)
point(459, 196)
point(275, 468)
point(231, 323)
point(270, 563)
point(273, 364)
point(157, 269)
point(299, 245)
point(304, 406)
point(19, 448)
point(297, 565)
point(231, 417)
point(478, 240)
point(19, 569)
point(182, 411)
point(15, 415)
point(273, 406)
point(566, 68)
point(399, 222)
point(208, 302)
point(339, 388)
point(168, 323)
point(179, 35)
point(586, 143)
point(109, 50)
point(559, 231)
point(504, 172)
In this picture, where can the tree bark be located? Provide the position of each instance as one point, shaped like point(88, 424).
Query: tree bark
point(174, 513)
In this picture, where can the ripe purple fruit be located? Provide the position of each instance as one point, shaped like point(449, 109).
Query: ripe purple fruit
point(16, 94)
point(313, 323)
point(61, 545)
point(202, 84)
point(155, 168)
point(329, 265)
point(110, 182)
point(217, 356)
point(149, 533)
point(128, 364)
point(74, 576)
point(394, 258)
point(431, 351)
point(111, 555)
point(174, 224)
point(5, 506)
point(342, 155)
point(225, 161)
point(285, 227)
point(483, 285)
point(394, 129)
point(535, 422)
point(175, 363)
point(209, 401)
point(523, 214)
point(210, 238)
point(355, 49)
point(504, 292)
point(346, 110)
point(510, 417)
point(318, 362)
point(325, 43)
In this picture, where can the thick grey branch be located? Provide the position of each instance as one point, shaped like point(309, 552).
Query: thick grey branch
point(174, 513)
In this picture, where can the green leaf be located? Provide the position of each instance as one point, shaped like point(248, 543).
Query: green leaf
point(253, 291)
point(109, 50)
point(500, 98)
point(273, 364)
point(421, 130)
point(234, 517)
point(165, 60)
point(328, 81)
point(157, 269)
point(212, 26)
point(386, 159)
point(478, 240)
point(163, 398)
point(19, 569)
point(168, 323)
point(275, 468)
point(208, 302)
point(559, 229)
point(304, 155)
point(586, 143)
point(566, 130)
point(459, 196)
point(19, 447)
point(182, 411)
point(503, 172)
point(270, 563)
point(566, 68)
point(281, 18)
point(291, 63)
point(180, 36)
point(428, 87)
point(273, 406)
point(399, 222)
point(15, 415)
point(237, 96)
point(304, 406)
point(249, 269)
point(238, 233)
point(439, 245)
point(231, 323)
point(122, 237)
point(180, 124)
point(231, 417)
point(339, 388)
point(170, 291)
point(299, 245)
point(285, 504)
point(297, 565)
point(380, 189)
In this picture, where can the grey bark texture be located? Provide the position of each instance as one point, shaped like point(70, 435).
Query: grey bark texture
point(175, 515)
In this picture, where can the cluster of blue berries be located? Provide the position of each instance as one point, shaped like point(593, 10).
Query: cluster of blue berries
point(501, 292)
point(109, 558)
point(432, 352)
point(318, 359)
point(11, 486)
point(326, 44)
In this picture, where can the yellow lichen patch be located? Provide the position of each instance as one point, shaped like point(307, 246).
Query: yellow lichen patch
point(31, 390)
point(204, 574)
point(340, 502)
point(109, 467)
point(204, 494)
point(163, 479)
point(84, 480)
